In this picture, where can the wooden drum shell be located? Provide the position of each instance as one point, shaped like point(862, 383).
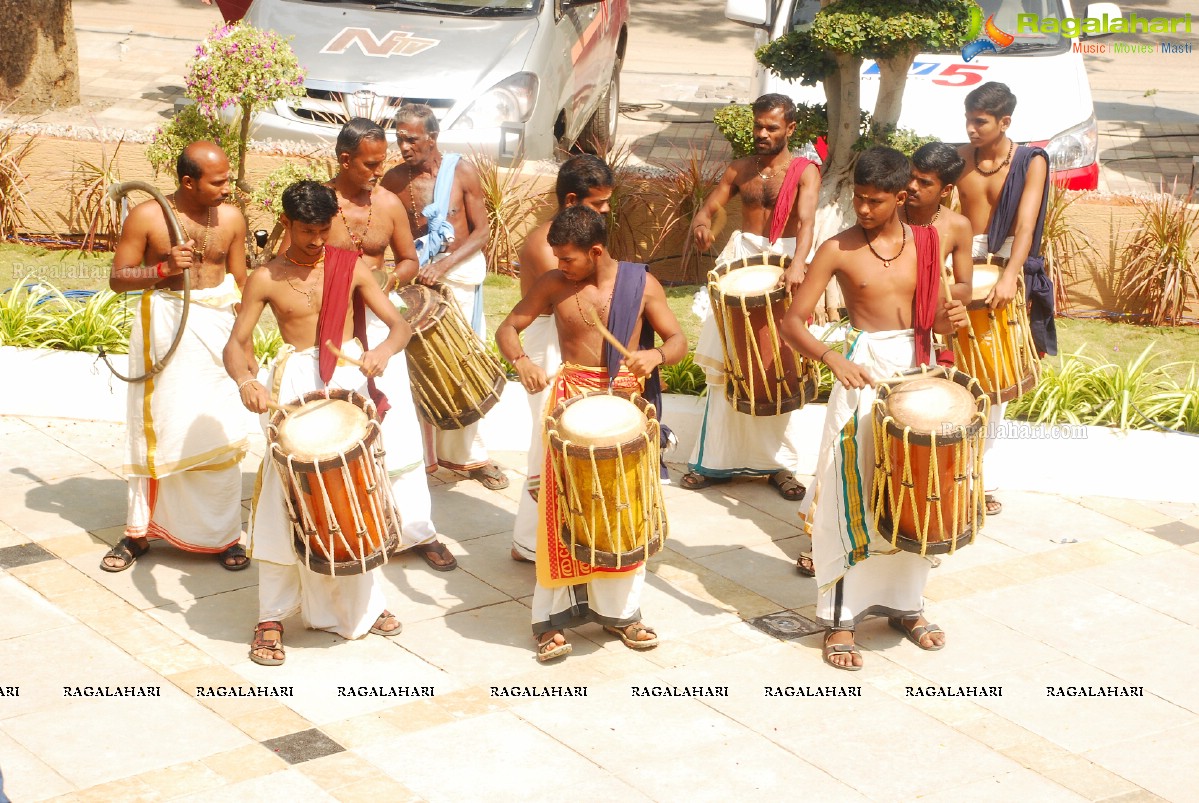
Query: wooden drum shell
point(997, 348)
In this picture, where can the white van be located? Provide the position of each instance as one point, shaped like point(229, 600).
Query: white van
point(1043, 70)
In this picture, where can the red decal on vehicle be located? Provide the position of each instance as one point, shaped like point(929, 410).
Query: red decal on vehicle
point(968, 74)
point(393, 43)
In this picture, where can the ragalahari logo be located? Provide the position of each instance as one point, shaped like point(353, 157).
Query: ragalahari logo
point(992, 40)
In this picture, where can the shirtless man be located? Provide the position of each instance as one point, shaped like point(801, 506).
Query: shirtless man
point(185, 439)
point(732, 443)
point(451, 229)
point(881, 265)
point(588, 278)
point(582, 179)
point(1001, 176)
point(293, 285)
point(935, 168)
point(369, 218)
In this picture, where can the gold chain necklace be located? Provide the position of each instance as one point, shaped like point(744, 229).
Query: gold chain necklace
point(357, 241)
point(207, 227)
point(773, 171)
point(603, 311)
point(412, 193)
point(887, 262)
point(1011, 146)
point(310, 292)
point(936, 215)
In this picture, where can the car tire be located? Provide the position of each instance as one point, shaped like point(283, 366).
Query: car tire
point(599, 134)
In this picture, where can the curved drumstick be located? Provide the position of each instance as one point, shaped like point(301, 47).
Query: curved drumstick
point(594, 320)
point(938, 371)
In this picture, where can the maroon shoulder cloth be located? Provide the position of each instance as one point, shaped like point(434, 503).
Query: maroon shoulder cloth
point(788, 195)
point(928, 287)
point(339, 278)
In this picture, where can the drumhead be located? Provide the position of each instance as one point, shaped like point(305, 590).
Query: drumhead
point(423, 306)
point(322, 429)
point(753, 280)
point(601, 420)
point(985, 278)
point(928, 403)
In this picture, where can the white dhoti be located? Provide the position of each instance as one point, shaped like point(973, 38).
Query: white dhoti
point(186, 435)
point(732, 443)
point(540, 343)
point(346, 605)
point(858, 572)
point(978, 248)
point(401, 431)
point(614, 601)
point(463, 449)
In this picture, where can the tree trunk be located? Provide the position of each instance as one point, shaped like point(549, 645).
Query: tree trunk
point(39, 62)
point(892, 80)
point(835, 211)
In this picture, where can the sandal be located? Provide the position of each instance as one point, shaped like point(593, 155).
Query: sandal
point(804, 565)
point(549, 649)
point(234, 552)
point(260, 643)
point(127, 550)
point(694, 481)
point(914, 634)
point(383, 617)
point(840, 649)
point(437, 555)
point(630, 638)
point(519, 558)
point(788, 487)
point(490, 477)
point(994, 507)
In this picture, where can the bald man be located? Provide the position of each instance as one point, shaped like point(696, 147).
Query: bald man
point(186, 433)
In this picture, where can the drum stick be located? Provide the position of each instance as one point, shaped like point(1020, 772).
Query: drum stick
point(287, 409)
point(341, 355)
point(938, 371)
point(593, 319)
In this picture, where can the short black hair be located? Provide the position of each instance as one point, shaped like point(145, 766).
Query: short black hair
point(941, 159)
point(309, 202)
point(578, 226)
point(884, 168)
point(580, 175)
point(356, 131)
point(773, 100)
point(187, 166)
point(992, 98)
point(418, 112)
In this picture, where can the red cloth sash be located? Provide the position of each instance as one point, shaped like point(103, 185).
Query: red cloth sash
point(331, 323)
point(928, 287)
point(788, 194)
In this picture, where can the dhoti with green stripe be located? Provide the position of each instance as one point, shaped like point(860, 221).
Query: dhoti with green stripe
point(858, 573)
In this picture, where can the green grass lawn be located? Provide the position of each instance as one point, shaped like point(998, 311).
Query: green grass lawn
point(1110, 342)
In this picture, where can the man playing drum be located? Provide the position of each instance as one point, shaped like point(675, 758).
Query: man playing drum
point(370, 217)
point(317, 294)
point(582, 179)
point(890, 274)
point(778, 205)
point(447, 213)
point(186, 436)
point(1004, 192)
point(590, 288)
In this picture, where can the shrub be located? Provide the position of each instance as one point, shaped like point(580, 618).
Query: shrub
point(23, 318)
point(188, 126)
point(684, 377)
point(1161, 269)
point(736, 123)
point(99, 322)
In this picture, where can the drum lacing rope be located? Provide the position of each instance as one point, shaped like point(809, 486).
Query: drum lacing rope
point(453, 373)
point(1011, 351)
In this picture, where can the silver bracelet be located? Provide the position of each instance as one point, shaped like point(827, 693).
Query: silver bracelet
point(248, 381)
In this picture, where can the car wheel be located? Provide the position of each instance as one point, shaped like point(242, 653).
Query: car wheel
point(599, 135)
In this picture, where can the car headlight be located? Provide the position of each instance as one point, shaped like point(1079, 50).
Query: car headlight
point(509, 101)
point(1075, 147)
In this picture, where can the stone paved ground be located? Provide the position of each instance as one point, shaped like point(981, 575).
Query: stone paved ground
point(1023, 611)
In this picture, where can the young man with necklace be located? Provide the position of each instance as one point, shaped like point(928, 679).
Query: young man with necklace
point(778, 194)
point(890, 275)
point(317, 293)
point(935, 168)
point(448, 217)
point(185, 436)
point(1004, 193)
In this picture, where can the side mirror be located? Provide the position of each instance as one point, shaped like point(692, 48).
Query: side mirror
point(1100, 11)
point(748, 12)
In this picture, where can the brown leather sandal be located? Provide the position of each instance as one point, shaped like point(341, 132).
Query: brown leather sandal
point(260, 643)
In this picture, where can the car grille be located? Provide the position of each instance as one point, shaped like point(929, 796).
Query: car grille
point(334, 108)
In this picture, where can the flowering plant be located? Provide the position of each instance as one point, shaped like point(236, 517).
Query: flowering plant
point(190, 125)
point(243, 66)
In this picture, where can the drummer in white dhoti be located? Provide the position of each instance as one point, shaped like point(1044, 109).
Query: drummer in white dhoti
point(186, 435)
point(589, 286)
point(369, 219)
point(447, 212)
point(890, 275)
point(317, 295)
point(778, 204)
point(1004, 193)
point(582, 179)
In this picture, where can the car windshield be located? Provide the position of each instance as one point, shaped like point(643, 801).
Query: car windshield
point(1004, 12)
point(463, 8)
